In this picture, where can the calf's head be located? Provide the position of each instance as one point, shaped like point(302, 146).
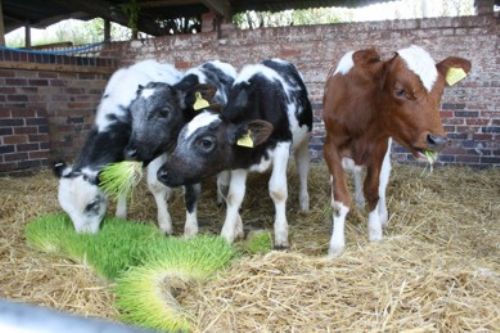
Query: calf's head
point(209, 144)
point(80, 197)
point(158, 113)
point(412, 86)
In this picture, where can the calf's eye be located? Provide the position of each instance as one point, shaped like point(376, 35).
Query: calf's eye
point(400, 92)
point(163, 113)
point(206, 144)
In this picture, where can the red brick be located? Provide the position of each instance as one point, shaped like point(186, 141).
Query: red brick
point(17, 98)
point(6, 73)
point(47, 75)
point(15, 157)
point(79, 105)
point(16, 82)
point(38, 154)
point(5, 167)
point(477, 121)
point(13, 139)
point(182, 64)
point(39, 137)
point(7, 90)
point(5, 114)
point(26, 130)
point(24, 113)
point(27, 146)
point(446, 114)
point(39, 82)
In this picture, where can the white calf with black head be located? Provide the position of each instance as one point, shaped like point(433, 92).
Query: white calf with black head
point(161, 110)
point(268, 114)
point(79, 194)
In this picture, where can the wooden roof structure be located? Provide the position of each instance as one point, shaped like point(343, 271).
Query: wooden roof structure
point(39, 14)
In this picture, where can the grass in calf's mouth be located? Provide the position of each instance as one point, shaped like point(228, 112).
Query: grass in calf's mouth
point(119, 179)
point(147, 266)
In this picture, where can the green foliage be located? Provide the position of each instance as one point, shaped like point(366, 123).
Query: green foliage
point(119, 179)
point(259, 242)
point(142, 299)
point(146, 265)
point(132, 10)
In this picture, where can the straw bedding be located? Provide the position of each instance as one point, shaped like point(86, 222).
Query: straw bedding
point(437, 269)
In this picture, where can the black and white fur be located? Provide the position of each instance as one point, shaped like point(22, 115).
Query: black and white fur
point(161, 110)
point(269, 99)
point(79, 194)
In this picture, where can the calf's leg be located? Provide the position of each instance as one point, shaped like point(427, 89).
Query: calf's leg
point(340, 199)
point(191, 196)
point(233, 226)
point(302, 160)
point(222, 186)
point(160, 193)
point(279, 193)
point(384, 180)
point(372, 189)
point(121, 207)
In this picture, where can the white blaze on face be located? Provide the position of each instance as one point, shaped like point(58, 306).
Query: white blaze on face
point(345, 64)
point(421, 63)
point(201, 120)
point(76, 196)
point(147, 92)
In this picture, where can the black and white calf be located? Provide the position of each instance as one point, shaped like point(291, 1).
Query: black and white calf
point(267, 116)
point(161, 110)
point(79, 194)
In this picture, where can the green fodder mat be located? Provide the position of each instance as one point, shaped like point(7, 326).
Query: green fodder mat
point(146, 266)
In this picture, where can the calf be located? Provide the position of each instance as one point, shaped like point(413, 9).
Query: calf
point(367, 102)
point(79, 194)
point(268, 114)
point(161, 109)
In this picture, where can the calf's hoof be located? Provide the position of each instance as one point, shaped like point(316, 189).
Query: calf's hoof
point(281, 247)
point(190, 232)
point(335, 252)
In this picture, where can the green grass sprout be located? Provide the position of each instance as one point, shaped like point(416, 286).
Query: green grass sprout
point(259, 242)
point(148, 268)
point(432, 157)
point(119, 179)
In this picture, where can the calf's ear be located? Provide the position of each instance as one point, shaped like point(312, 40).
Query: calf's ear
point(251, 134)
point(453, 69)
point(198, 97)
point(365, 57)
point(60, 169)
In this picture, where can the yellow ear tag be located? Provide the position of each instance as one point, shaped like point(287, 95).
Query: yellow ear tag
point(246, 140)
point(200, 102)
point(454, 75)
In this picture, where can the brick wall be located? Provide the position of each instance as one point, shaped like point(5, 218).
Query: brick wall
point(471, 109)
point(47, 105)
point(44, 115)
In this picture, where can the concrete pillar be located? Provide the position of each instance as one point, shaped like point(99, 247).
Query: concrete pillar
point(2, 27)
point(107, 30)
point(209, 22)
point(27, 35)
point(484, 7)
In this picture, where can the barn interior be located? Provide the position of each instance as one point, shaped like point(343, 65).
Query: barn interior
point(437, 268)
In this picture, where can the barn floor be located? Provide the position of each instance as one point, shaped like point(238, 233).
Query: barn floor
point(437, 269)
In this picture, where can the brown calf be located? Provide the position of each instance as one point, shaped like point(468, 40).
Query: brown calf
point(367, 102)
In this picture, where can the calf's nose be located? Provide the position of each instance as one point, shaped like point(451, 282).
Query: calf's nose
point(436, 141)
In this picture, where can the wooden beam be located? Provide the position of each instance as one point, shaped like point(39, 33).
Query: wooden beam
point(167, 3)
point(27, 35)
point(107, 30)
point(106, 10)
point(2, 27)
point(221, 7)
